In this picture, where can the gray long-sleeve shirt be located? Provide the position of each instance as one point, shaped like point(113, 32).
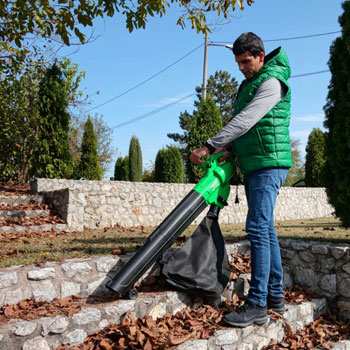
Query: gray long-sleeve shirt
point(268, 94)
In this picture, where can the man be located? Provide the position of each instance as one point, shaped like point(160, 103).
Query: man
point(259, 133)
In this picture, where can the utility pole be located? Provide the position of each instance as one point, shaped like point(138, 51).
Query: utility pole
point(204, 91)
point(206, 44)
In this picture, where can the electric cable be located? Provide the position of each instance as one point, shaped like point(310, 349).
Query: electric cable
point(133, 120)
point(148, 79)
point(284, 39)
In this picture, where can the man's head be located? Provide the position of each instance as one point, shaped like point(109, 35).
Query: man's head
point(249, 53)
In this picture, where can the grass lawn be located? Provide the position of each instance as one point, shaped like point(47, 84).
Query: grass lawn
point(29, 249)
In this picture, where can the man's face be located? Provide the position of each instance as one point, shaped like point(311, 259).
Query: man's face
point(248, 64)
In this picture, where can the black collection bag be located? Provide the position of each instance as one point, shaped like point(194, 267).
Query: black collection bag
point(201, 266)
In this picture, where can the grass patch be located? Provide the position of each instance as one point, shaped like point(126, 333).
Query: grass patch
point(25, 251)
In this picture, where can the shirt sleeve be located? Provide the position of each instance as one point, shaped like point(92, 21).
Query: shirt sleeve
point(268, 94)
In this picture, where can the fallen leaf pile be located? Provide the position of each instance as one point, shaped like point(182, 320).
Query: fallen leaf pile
point(31, 205)
point(12, 189)
point(35, 221)
point(29, 234)
point(318, 334)
point(297, 295)
point(148, 334)
point(239, 264)
point(29, 309)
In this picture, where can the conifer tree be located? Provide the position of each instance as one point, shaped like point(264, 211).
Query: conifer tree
point(315, 159)
point(125, 169)
point(337, 169)
point(206, 122)
point(168, 166)
point(118, 169)
point(89, 167)
point(52, 158)
point(135, 160)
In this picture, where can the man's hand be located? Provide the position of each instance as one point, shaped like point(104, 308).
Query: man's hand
point(225, 155)
point(197, 154)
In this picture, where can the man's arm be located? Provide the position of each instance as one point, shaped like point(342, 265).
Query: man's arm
point(268, 94)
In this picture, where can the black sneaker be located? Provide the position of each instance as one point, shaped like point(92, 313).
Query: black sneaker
point(246, 315)
point(276, 304)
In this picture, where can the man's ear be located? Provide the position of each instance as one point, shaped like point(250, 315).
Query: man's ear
point(261, 57)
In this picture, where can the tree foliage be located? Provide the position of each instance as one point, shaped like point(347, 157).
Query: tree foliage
point(51, 157)
point(168, 166)
point(315, 159)
point(337, 169)
point(121, 169)
point(206, 122)
point(19, 114)
point(296, 172)
point(223, 88)
point(89, 167)
point(105, 150)
point(135, 160)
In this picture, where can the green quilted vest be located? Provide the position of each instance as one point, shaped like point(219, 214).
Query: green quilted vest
point(267, 143)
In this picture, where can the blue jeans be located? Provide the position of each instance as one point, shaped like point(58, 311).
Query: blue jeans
point(261, 188)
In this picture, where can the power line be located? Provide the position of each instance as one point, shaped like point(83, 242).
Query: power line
point(285, 39)
point(183, 98)
point(148, 79)
point(152, 112)
point(311, 73)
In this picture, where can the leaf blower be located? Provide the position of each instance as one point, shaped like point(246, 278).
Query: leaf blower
point(212, 189)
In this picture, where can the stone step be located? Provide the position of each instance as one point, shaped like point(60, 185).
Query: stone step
point(49, 332)
point(16, 200)
point(255, 337)
point(44, 228)
point(18, 214)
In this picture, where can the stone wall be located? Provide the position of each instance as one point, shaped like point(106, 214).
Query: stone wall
point(96, 204)
point(321, 267)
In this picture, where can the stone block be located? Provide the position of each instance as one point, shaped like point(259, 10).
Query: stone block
point(23, 328)
point(8, 279)
point(56, 325)
point(41, 274)
point(307, 256)
point(106, 263)
point(43, 291)
point(38, 343)
point(70, 288)
point(328, 264)
point(73, 268)
point(319, 249)
point(75, 337)
point(304, 277)
point(226, 337)
point(338, 252)
point(329, 283)
point(344, 287)
point(200, 344)
point(87, 316)
point(346, 268)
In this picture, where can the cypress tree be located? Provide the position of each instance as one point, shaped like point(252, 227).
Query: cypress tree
point(51, 157)
point(125, 169)
point(337, 169)
point(135, 160)
point(118, 169)
point(89, 167)
point(168, 166)
point(206, 122)
point(315, 159)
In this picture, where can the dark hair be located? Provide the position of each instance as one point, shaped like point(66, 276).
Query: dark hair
point(248, 42)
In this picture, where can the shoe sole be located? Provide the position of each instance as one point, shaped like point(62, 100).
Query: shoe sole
point(259, 322)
